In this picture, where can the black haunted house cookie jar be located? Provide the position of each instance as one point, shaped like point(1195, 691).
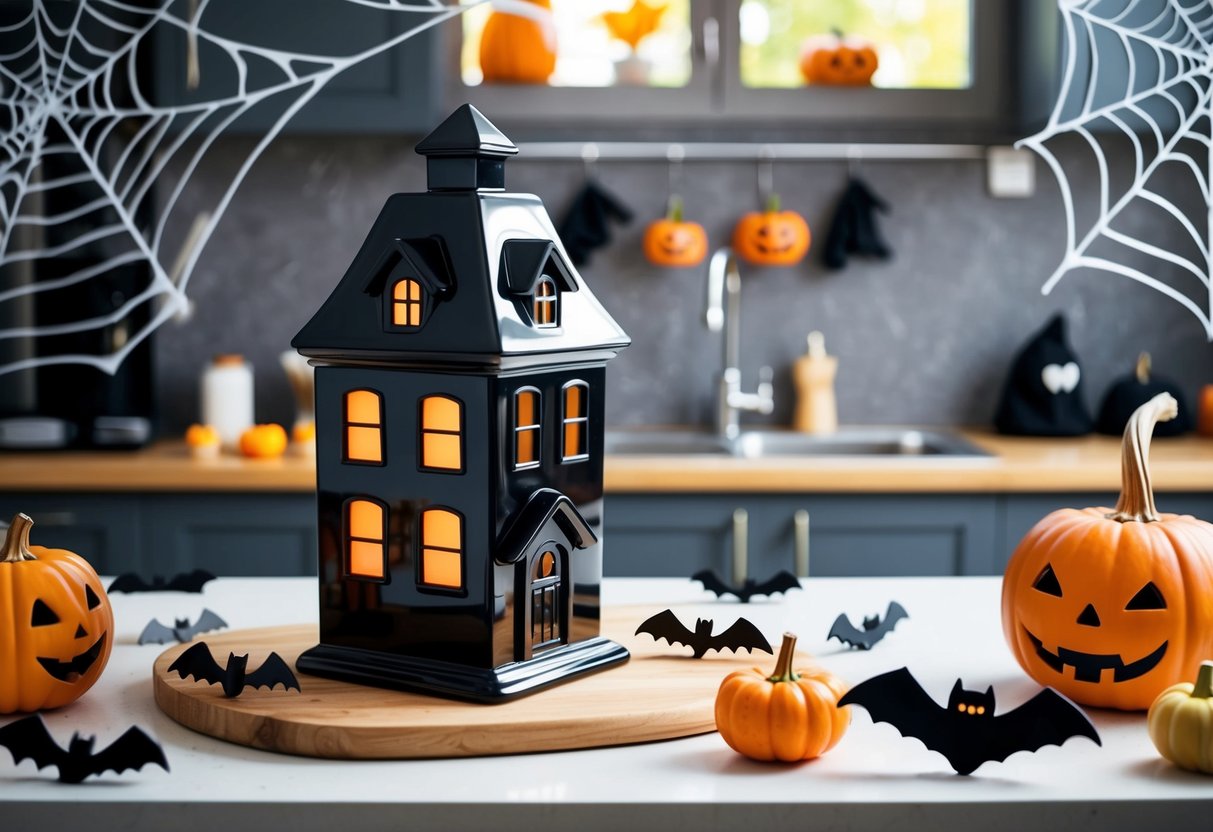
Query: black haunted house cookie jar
point(460, 374)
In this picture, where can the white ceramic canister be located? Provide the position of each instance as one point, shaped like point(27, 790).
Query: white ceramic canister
point(227, 398)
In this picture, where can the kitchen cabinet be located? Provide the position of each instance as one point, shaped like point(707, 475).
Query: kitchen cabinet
point(103, 528)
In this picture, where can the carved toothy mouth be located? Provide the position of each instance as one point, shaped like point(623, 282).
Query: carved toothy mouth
point(72, 670)
point(1089, 666)
point(765, 249)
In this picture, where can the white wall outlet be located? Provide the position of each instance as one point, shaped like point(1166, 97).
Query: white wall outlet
point(1010, 172)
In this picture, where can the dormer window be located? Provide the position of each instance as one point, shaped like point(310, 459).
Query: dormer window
point(544, 306)
point(407, 303)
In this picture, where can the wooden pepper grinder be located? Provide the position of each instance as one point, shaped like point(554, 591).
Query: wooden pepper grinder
point(816, 407)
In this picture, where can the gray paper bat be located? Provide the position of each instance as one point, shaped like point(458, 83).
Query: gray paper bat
point(182, 631)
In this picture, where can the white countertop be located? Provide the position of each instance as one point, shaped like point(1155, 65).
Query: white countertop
point(873, 777)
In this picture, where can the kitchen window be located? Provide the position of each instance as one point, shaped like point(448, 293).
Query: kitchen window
point(365, 536)
point(407, 304)
point(364, 427)
point(442, 434)
point(441, 561)
point(527, 429)
point(544, 307)
point(575, 422)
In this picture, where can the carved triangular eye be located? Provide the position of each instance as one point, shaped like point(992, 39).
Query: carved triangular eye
point(1047, 582)
point(42, 615)
point(90, 597)
point(1147, 598)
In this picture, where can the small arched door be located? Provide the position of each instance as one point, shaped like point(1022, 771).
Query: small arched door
point(546, 591)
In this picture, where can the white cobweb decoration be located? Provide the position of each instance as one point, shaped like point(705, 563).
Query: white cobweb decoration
point(1138, 73)
point(74, 95)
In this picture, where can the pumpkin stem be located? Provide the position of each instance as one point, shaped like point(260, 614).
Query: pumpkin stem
point(774, 203)
point(1143, 368)
point(783, 665)
point(1204, 682)
point(674, 211)
point(1136, 501)
point(16, 542)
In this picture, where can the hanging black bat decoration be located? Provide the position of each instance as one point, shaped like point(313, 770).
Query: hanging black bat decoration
point(967, 732)
point(182, 630)
point(185, 582)
point(28, 739)
point(780, 582)
point(741, 635)
point(198, 662)
point(874, 628)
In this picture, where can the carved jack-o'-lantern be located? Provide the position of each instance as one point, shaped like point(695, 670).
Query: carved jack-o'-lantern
point(58, 623)
point(1112, 606)
point(772, 237)
point(673, 241)
point(837, 60)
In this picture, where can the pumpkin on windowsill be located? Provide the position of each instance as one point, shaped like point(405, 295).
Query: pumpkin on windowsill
point(518, 50)
point(834, 60)
point(1111, 606)
point(58, 622)
point(673, 241)
point(773, 237)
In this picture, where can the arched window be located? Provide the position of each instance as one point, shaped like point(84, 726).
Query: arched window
point(544, 306)
point(442, 434)
point(407, 303)
point(527, 431)
point(365, 539)
point(575, 422)
point(441, 559)
point(364, 427)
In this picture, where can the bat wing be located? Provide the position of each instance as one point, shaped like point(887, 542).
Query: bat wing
point(742, 635)
point(665, 624)
point(711, 582)
point(28, 739)
point(190, 581)
point(845, 631)
point(780, 582)
point(134, 749)
point(128, 582)
point(273, 671)
point(897, 698)
point(1048, 718)
point(206, 622)
point(892, 615)
point(198, 662)
point(156, 633)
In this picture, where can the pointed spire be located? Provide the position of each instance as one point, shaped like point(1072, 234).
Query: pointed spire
point(466, 152)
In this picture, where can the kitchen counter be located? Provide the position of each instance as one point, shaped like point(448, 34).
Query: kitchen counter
point(1018, 465)
point(874, 778)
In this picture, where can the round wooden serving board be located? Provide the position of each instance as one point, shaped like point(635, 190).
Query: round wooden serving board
point(660, 693)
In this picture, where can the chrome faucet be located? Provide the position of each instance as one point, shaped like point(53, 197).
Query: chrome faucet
point(724, 279)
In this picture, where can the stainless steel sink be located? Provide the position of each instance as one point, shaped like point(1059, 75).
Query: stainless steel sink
point(863, 442)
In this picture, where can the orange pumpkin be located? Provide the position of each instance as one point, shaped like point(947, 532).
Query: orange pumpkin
point(203, 441)
point(263, 441)
point(516, 49)
point(838, 61)
point(57, 624)
point(1111, 606)
point(772, 237)
point(673, 241)
point(789, 716)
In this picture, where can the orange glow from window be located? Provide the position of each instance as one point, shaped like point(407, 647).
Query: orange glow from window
point(365, 532)
point(543, 308)
point(575, 422)
point(441, 433)
point(406, 303)
point(526, 428)
point(442, 548)
point(363, 431)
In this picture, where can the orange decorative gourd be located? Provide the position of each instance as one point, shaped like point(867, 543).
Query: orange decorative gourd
point(516, 49)
point(772, 237)
point(835, 60)
point(789, 716)
point(263, 441)
point(673, 241)
point(203, 441)
point(56, 625)
point(1111, 606)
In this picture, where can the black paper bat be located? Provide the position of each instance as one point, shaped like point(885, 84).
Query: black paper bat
point(781, 581)
point(28, 739)
point(874, 628)
point(198, 662)
point(967, 732)
point(182, 630)
point(185, 582)
point(741, 635)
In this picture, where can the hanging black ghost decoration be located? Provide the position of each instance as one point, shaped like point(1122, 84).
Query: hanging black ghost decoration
point(853, 230)
point(587, 225)
point(1043, 392)
point(1135, 389)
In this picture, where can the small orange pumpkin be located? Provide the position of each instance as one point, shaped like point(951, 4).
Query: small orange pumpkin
point(57, 621)
point(1111, 606)
point(263, 442)
point(789, 716)
point(516, 49)
point(772, 237)
point(203, 441)
point(838, 61)
point(673, 241)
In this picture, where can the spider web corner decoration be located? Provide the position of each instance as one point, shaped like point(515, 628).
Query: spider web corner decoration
point(74, 96)
point(1139, 74)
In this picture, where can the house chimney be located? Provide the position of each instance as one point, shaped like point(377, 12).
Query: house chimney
point(466, 153)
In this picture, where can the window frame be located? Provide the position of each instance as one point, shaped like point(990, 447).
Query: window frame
point(583, 420)
point(422, 431)
point(549, 301)
point(347, 538)
point(422, 586)
point(408, 303)
point(346, 424)
point(536, 428)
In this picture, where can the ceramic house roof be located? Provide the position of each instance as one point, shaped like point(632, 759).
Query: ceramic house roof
point(544, 505)
point(478, 251)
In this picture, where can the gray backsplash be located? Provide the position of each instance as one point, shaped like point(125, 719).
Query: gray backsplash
point(923, 339)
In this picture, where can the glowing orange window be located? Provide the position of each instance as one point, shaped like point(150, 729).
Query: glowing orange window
point(364, 427)
point(441, 433)
point(526, 428)
point(575, 423)
point(365, 531)
point(406, 303)
point(441, 548)
point(543, 307)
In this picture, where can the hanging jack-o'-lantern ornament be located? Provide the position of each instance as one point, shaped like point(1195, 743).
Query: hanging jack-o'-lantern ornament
point(839, 61)
point(773, 237)
point(57, 621)
point(518, 50)
point(674, 241)
point(1111, 606)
